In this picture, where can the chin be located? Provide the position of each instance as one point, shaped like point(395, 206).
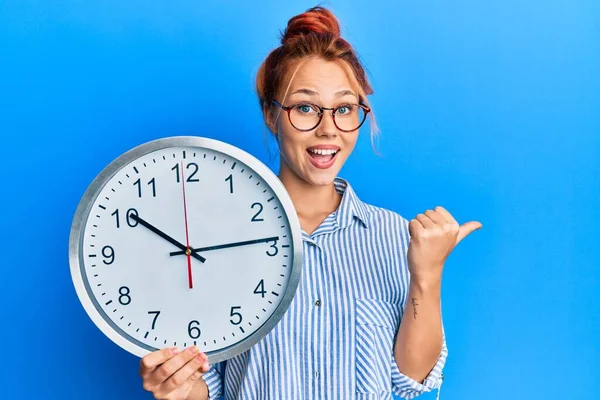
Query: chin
point(323, 180)
point(320, 177)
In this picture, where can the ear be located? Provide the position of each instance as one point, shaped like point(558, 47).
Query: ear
point(270, 119)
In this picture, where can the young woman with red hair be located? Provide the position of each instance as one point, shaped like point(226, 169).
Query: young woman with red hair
point(365, 322)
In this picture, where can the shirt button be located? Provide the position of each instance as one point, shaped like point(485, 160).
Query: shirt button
point(316, 374)
point(318, 303)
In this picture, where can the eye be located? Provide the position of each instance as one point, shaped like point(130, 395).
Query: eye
point(344, 109)
point(306, 108)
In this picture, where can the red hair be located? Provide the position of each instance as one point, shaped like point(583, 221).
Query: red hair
point(314, 33)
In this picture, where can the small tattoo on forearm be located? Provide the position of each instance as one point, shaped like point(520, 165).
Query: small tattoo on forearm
point(414, 304)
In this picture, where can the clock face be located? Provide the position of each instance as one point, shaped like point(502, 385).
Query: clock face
point(156, 204)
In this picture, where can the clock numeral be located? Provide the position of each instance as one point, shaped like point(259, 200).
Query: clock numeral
point(152, 183)
point(190, 178)
point(124, 297)
point(230, 179)
point(109, 253)
point(130, 222)
point(155, 317)
point(194, 331)
point(260, 288)
point(260, 208)
point(274, 247)
point(176, 169)
point(236, 314)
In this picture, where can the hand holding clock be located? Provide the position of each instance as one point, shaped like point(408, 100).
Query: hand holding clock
point(171, 374)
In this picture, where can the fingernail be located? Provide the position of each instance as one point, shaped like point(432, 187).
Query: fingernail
point(193, 350)
point(199, 358)
point(174, 350)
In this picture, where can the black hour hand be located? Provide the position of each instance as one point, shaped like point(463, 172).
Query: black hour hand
point(167, 237)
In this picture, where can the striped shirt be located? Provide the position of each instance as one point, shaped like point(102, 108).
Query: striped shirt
point(336, 339)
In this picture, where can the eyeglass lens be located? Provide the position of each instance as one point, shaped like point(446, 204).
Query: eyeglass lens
point(346, 117)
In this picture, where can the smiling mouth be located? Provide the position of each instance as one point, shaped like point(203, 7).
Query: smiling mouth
point(322, 156)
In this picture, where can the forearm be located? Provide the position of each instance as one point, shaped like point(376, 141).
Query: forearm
point(419, 341)
point(199, 391)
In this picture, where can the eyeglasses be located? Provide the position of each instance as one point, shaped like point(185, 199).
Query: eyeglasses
point(307, 116)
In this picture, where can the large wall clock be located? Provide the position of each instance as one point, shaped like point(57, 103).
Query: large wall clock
point(186, 240)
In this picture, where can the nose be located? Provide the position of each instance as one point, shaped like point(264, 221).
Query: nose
point(327, 126)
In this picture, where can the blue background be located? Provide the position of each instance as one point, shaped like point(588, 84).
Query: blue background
point(488, 108)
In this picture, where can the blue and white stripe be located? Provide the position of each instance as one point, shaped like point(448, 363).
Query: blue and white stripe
point(336, 339)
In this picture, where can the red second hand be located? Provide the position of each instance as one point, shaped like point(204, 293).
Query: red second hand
point(187, 238)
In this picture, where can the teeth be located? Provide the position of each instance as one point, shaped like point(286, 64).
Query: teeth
point(322, 151)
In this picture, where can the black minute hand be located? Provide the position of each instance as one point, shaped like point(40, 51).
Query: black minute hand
point(224, 246)
point(166, 237)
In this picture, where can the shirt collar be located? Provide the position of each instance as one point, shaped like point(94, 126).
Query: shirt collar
point(351, 206)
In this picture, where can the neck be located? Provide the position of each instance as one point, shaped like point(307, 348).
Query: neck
point(310, 201)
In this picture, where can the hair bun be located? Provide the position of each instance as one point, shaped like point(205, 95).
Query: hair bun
point(314, 20)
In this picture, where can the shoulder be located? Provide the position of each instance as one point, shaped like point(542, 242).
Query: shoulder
point(374, 217)
point(380, 217)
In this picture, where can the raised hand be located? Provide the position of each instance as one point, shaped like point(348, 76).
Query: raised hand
point(433, 237)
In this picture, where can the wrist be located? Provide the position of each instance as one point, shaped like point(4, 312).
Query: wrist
point(199, 390)
point(427, 285)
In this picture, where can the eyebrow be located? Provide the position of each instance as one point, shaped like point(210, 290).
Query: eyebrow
point(337, 94)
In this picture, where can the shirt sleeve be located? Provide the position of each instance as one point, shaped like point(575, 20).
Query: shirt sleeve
point(408, 388)
point(214, 380)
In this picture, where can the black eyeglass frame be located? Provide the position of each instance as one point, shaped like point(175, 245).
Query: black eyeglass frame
point(289, 108)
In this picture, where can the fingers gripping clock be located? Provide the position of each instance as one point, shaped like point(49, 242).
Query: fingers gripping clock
point(186, 240)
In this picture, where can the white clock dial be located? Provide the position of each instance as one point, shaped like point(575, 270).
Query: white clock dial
point(137, 281)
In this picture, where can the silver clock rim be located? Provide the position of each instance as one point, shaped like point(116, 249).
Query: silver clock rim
point(82, 212)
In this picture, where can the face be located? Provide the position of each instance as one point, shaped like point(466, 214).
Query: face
point(315, 156)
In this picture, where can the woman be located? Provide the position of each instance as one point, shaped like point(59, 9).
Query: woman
point(366, 321)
